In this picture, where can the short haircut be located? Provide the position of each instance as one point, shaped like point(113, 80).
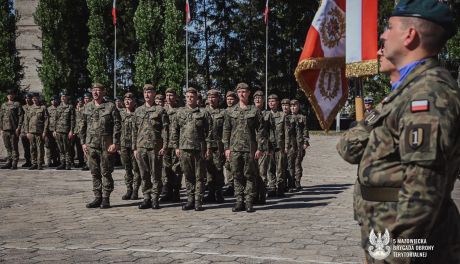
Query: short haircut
point(433, 37)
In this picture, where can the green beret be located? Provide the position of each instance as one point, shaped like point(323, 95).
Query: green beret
point(98, 85)
point(285, 101)
point(259, 93)
point(160, 96)
point(241, 86)
point(230, 94)
point(63, 93)
point(294, 101)
point(87, 95)
point(149, 87)
point(273, 96)
point(191, 90)
point(213, 92)
point(129, 95)
point(171, 90)
point(433, 10)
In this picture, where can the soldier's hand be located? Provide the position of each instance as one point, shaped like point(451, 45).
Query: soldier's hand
point(29, 136)
point(286, 151)
point(112, 148)
point(207, 155)
point(305, 146)
point(228, 154)
point(136, 154)
point(258, 154)
point(43, 135)
point(178, 153)
point(71, 135)
point(54, 134)
point(161, 152)
point(85, 148)
point(18, 132)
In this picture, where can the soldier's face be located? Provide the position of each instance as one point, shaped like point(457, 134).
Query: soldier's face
point(149, 96)
point(230, 101)
point(243, 95)
point(295, 108)
point(80, 104)
point(368, 106)
point(273, 104)
point(191, 100)
point(129, 103)
point(35, 100)
point(258, 101)
point(159, 102)
point(86, 100)
point(119, 103)
point(171, 98)
point(385, 65)
point(97, 93)
point(10, 97)
point(28, 101)
point(395, 39)
point(65, 99)
point(213, 100)
point(55, 102)
point(286, 108)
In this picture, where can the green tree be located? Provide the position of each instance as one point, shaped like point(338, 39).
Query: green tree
point(147, 22)
point(100, 64)
point(10, 67)
point(173, 63)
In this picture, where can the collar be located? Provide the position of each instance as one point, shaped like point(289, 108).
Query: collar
point(404, 72)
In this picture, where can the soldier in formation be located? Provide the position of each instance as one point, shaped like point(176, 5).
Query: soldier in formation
point(11, 119)
point(262, 176)
point(36, 124)
point(100, 136)
point(77, 131)
point(64, 127)
point(24, 140)
point(301, 139)
point(51, 146)
point(230, 99)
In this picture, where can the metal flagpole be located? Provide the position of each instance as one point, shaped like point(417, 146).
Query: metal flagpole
point(115, 65)
point(266, 65)
point(186, 56)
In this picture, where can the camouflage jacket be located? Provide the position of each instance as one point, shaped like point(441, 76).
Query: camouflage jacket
point(52, 113)
point(292, 131)
point(100, 125)
point(151, 128)
point(172, 112)
point(411, 144)
point(36, 120)
point(78, 120)
point(127, 126)
point(11, 116)
point(244, 130)
point(301, 130)
point(218, 117)
point(191, 129)
point(280, 126)
point(25, 110)
point(65, 118)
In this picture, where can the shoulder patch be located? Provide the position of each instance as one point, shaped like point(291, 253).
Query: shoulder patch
point(419, 106)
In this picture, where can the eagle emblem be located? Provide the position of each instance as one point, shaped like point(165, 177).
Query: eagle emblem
point(379, 249)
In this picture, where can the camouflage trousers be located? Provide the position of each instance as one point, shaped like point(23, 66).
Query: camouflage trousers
point(37, 148)
point(65, 146)
point(26, 146)
point(80, 154)
point(132, 175)
point(215, 174)
point(52, 149)
point(294, 165)
point(263, 167)
point(10, 139)
point(194, 168)
point(228, 173)
point(172, 174)
point(150, 166)
point(100, 163)
point(245, 170)
point(277, 170)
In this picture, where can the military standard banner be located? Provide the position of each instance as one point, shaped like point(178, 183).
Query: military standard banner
point(321, 68)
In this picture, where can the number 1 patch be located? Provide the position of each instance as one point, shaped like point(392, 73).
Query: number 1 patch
point(418, 137)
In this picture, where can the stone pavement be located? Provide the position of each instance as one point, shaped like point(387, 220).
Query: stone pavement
point(44, 220)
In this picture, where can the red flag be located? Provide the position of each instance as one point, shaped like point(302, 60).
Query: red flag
point(266, 11)
point(114, 13)
point(188, 17)
point(321, 68)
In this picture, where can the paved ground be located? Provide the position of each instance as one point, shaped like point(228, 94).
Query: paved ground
point(44, 220)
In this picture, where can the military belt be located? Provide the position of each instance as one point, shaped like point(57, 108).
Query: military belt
point(379, 194)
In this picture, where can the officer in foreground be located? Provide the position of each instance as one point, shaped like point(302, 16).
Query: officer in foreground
point(100, 136)
point(408, 150)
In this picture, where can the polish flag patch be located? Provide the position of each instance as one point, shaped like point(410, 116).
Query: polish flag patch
point(419, 106)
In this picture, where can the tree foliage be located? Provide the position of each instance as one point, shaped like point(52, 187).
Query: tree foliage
point(10, 67)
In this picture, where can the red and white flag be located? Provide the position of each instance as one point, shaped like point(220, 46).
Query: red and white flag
point(266, 11)
point(114, 13)
point(361, 43)
point(321, 68)
point(188, 16)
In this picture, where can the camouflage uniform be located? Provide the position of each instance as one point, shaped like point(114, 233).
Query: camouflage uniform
point(227, 168)
point(24, 139)
point(132, 174)
point(11, 118)
point(36, 123)
point(150, 135)
point(408, 162)
point(243, 135)
point(191, 133)
point(52, 152)
point(302, 138)
point(77, 142)
point(100, 128)
point(65, 123)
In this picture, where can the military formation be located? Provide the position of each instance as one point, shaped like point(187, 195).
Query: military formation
point(242, 150)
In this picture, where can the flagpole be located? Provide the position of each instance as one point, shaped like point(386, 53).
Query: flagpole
point(186, 56)
point(115, 64)
point(266, 65)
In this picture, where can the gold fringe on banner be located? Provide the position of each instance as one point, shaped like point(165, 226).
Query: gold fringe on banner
point(362, 68)
point(320, 63)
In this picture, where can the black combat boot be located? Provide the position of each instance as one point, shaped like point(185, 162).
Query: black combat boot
point(239, 207)
point(68, 167)
point(33, 167)
point(8, 165)
point(147, 203)
point(176, 195)
point(85, 168)
point(135, 194)
point(230, 191)
point(198, 205)
point(298, 187)
point(280, 193)
point(219, 197)
point(127, 195)
point(249, 207)
point(271, 192)
point(155, 203)
point(210, 197)
point(27, 164)
point(14, 165)
point(166, 194)
point(95, 204)
point(61, 167)
point(40, 167)
point(105, 204)
point(189, 205)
